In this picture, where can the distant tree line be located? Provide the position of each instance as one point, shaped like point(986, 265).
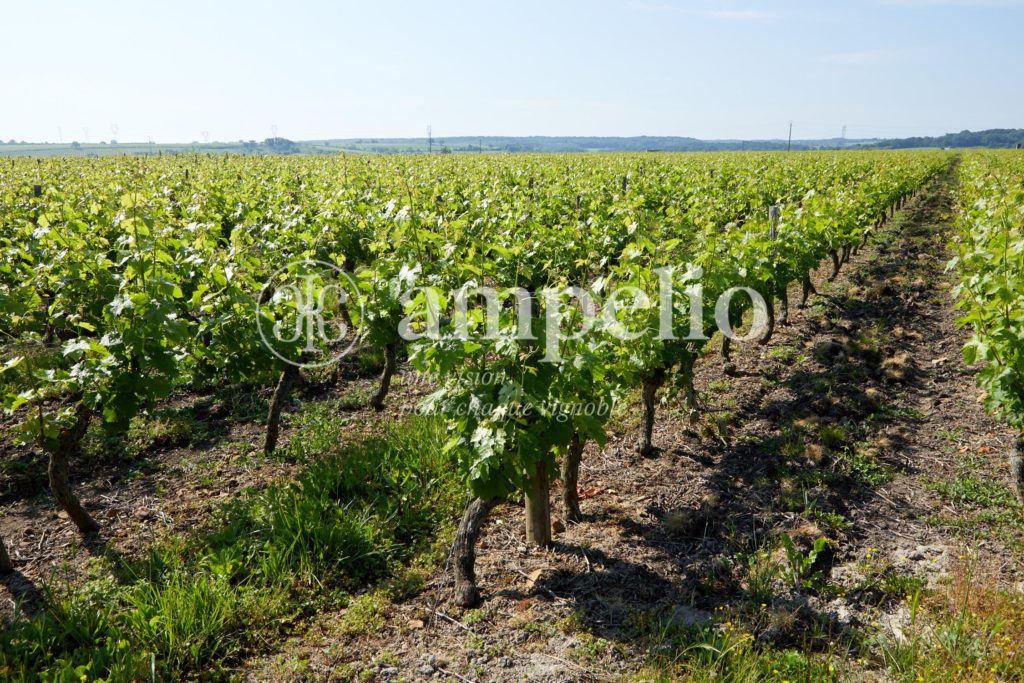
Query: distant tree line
point(281, 146)
point(995, 137)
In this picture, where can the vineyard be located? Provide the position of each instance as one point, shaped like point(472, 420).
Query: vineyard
point(581, 417)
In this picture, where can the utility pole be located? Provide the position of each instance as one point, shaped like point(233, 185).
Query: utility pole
point(430, 140)
point(789, 141)
point(844, 133)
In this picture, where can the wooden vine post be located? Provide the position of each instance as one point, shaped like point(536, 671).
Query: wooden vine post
point(538, 507)
point(774, 217)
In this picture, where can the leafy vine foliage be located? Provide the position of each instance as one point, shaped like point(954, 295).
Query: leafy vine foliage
point(124, 280)
point(990, 261)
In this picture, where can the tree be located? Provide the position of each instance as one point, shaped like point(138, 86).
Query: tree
point(281, 145)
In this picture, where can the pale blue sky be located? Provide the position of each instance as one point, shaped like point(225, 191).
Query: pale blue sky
point(729, 69)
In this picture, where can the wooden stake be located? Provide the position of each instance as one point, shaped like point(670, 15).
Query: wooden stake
point(538, 508)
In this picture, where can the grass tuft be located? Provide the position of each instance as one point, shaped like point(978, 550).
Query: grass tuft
point(358, 515)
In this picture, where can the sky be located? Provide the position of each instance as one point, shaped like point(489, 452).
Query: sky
point(187, 71)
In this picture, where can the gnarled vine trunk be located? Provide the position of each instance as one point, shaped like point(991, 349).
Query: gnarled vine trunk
point(867, 234)
point(769, 303)
point(464, 550)
point(835, 264)
point(69, 445)
point(649, 393)
point(1017, 465)
point(289, 379)
point(690, 397)
point(390, 365)
point(6, 566)
point(571, 480)
point(784, 305)
point(808, 289)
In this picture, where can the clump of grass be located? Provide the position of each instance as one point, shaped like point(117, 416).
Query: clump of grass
point(188, 619)
point(350, 515)
point(78, 635)
point(729, 652)
point(863, 467)
point(787, 354)
point(793, 448)
point(356, 516)
point(833, 436)
point(901, 586)
point(987, 508)
point(973, 490)
point(831, 521)
point(317, 426)
point(762, 570)
point(163, 429)
point(365, 614)
point(971, 630)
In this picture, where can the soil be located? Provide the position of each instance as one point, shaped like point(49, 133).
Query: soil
point(873, 368)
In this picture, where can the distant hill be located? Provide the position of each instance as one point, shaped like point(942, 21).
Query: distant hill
point(643, 143)
point(457, 145)
point(1000, 137)
point(994, 137)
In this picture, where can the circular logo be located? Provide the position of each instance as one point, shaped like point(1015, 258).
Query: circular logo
point(306, 313)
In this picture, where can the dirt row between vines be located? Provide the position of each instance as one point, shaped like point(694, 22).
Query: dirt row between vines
point(868, 380)
point(198, 453)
